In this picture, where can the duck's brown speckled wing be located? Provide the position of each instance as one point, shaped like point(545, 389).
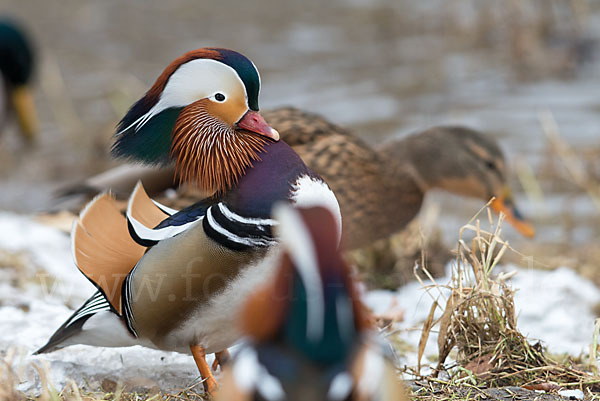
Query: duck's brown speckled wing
point(298, 127)
point(377, 195)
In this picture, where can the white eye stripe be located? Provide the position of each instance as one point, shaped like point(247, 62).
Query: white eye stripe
point(200, 79)
point(192, 81)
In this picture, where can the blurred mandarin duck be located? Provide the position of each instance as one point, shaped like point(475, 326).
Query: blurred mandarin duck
point(176, 280)
point(379, 190)
point(310, 337)
point(16, 71)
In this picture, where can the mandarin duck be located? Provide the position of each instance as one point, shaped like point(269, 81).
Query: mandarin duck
point(310, 337)
point(380, 190)
point(16, 71)
point(176, 280)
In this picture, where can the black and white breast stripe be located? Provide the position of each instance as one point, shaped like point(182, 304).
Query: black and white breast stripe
point(148, 237)
point(235, 231)
point(220, 223)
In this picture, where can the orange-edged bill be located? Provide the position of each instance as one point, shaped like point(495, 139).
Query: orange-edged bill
point(505, 204)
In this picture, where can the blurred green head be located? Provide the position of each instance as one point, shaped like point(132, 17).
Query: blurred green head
point(16, 54)
point(322, 315)
point(16, 67)
point(335, 334)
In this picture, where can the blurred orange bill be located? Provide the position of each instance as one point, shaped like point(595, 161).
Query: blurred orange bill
point(505, 204)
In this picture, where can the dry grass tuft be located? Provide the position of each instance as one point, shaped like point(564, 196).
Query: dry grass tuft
point(479, 316)
point(9, 379)
point(13, 370)
point(479, 321)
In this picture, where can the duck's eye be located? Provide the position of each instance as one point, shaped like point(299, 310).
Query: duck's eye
point(490, 164)
point(219, 97)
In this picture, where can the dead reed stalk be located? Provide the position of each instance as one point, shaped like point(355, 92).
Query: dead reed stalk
point(479, 321)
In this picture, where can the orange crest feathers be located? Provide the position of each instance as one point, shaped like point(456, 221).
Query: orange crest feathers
point(103, 249)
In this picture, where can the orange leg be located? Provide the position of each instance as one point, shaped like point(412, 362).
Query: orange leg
point(210, 384)
point(221, 359)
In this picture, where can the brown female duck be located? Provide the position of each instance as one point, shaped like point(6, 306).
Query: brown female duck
point(381, 190)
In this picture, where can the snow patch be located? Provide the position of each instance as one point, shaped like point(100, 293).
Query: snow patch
point(556, 307)
point(30, 314)
point(553, 306)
